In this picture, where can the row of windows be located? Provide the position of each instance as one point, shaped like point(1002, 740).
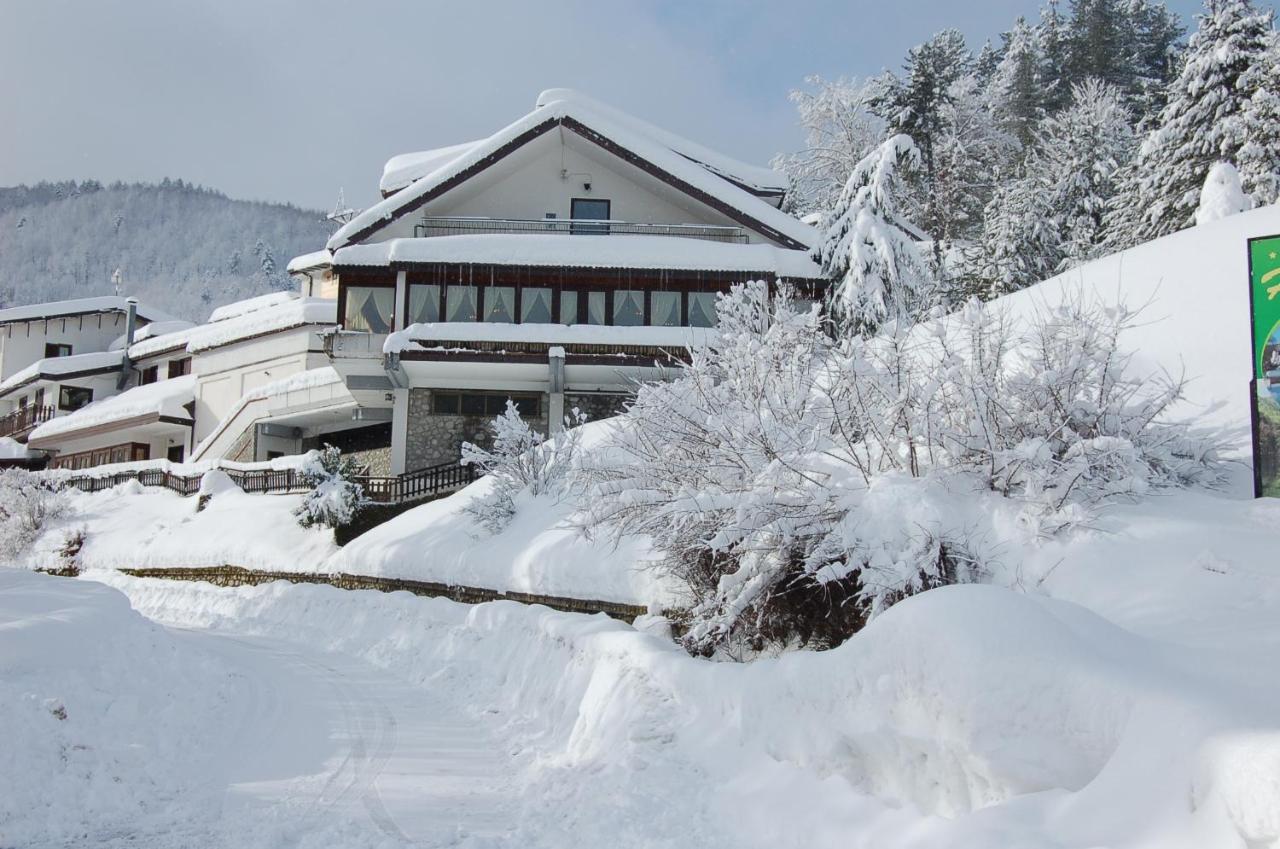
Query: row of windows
point(483, 404)
point(175, 368)
point(128, 453)
point(70, 398)
point(371, 309)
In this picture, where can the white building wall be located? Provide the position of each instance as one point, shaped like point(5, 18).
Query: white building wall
point(547, 174)
point(22, 343)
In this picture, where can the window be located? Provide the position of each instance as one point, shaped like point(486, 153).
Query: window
point(535, 305)
point(149, 375)
point(482, 404)
point(22, 402)
point(177, 368)
point(74, 397)
point(120, 454)
point(595, 308)
point(664, 309)
point(460, 303)
point(56, 349)
point(369, 309)
point(628, 307)
point(500, 304)
point(39, 398)
point(702, 309)
point(568, 307)
point(589, 209)
point(424, 303)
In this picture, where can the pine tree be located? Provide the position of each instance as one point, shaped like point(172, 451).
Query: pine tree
point(1016, 87)
point(1204, 122)
point(1052, 44)
point(877, 270)
point(1259, 163)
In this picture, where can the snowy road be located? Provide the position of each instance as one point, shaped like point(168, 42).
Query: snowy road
point(330, 740)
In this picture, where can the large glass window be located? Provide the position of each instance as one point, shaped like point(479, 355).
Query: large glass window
point(460, 303)
point(595, 308)
point(535, 305)
point(628, 307)
point(482, 403)
point(569, 307)
point(424, 303)
point(664, 309)
point(74, 397)
point(592, 209)
point(369, 309)
point(500, 304)
point(702, 309)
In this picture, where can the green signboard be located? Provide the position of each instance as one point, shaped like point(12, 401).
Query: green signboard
point(1264, 282)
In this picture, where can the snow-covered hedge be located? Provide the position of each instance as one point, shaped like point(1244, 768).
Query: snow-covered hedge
point(799, 484)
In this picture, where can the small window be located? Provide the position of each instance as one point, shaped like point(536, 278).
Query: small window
point(56, 349)
point(274, 455)
point(500, 304)
point(595, 308)
point(702, 309)
point(589, 209)
point(369, 309)
point(535, 305)
point(178, 368)
point(444, 404)
point(473, 405)
point(149, 374)
point(460, 303)
point(74, 397)
point(628, 307)
point(424, 303)
point(664, 309)
point(568, 307)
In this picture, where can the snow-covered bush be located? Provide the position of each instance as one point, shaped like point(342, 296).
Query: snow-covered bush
point(520, 460)
point(27, 502)
point(335, 497)
point(797, 486)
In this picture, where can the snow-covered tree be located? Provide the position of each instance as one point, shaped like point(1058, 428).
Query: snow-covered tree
point(839, 130)
point(1204, 121)
point(1019, 241)
point(1259, 158)
point(1017, 89)
point(28, 501)
point(866, 251)
point(335, 497)
point(519, 460)
point(1222, 195)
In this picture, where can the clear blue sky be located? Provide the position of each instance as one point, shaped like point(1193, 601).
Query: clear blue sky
point(291, 99)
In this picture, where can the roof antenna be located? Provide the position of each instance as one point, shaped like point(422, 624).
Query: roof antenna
point(341, 212)
point(116, 279)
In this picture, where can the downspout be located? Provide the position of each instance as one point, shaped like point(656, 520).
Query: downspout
point(130, 327)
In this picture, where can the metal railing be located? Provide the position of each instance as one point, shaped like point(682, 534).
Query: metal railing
point(461, 226)
point(393, 489)
point(25, 419)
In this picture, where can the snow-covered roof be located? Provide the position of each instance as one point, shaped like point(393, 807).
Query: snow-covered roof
point(163, 399)
point(153, 330)
point(586, 118)
point(413, 336)
point(79, 306)
point(315, 259)
point(56, 368)
point(248, 305)
point(403, 169)
point(647, 252)
point(12, 449)
point(284, 315)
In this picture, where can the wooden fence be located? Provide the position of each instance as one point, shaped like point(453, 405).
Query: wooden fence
point(410, 486)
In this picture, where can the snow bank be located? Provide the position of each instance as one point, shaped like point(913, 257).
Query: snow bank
point(108, 721)
point(166, 398)
point(621, 251)
point(132, 526)
point(1020, 720)
point(1196, 285)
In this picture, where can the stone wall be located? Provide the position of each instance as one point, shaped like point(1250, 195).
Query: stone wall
point(436, 439)
point(242, 450)
point(369, 446)
point(596, 405)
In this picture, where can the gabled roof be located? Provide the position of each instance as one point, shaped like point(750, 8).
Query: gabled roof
point(79, 306)
point(402, 170)
point(618, 137)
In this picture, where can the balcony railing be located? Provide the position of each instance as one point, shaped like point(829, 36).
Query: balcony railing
point(23, 420)
point(464, 226)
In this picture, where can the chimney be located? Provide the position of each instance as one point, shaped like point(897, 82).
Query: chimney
point(130, 328)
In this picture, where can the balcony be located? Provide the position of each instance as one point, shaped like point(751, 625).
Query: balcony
point(466, 226)
point(19, 422)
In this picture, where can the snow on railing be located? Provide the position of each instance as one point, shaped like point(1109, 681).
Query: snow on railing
point(460, 226)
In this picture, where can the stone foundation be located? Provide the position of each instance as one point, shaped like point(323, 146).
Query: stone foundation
point(436, 439)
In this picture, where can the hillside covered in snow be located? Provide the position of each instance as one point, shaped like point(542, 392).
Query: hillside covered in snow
point(183, 248)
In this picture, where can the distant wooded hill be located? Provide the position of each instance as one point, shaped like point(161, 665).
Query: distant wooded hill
point(180, 247)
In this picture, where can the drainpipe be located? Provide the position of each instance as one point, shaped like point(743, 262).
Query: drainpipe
point(130, 327)
point(555, 409)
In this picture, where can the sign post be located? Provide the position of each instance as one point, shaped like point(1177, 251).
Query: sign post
point(1264, 308)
